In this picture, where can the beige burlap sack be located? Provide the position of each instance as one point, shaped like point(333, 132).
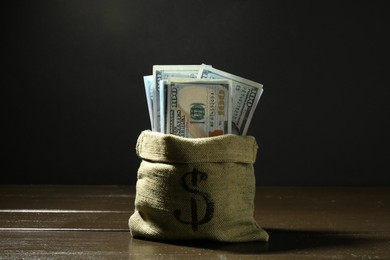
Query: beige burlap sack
point(201, 188)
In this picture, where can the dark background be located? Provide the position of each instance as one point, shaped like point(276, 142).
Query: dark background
point(74, 102)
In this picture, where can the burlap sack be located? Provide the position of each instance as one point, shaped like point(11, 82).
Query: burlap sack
point(201, 188)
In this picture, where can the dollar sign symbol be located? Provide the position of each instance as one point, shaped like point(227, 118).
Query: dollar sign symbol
point(195, 222)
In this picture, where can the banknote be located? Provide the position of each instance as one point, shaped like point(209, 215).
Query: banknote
point(161, 72)
point(148, 82)
point(199, 107)
point(163, 105)
point(246, 95)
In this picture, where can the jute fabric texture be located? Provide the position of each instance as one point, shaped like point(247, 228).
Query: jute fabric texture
point(200, 188)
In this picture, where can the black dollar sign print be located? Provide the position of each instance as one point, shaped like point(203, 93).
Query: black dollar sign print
point(195, 222)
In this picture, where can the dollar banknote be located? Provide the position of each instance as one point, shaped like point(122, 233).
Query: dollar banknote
point(198, 107)
point(148, 83)
point(163, 105)
point(246, 95)
point(161, 72)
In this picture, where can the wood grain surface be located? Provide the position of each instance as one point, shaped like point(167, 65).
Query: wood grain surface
point(90, 222)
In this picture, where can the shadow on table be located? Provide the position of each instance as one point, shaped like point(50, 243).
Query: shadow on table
point(281, 240)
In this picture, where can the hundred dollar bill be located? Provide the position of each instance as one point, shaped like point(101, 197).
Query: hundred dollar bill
point(148, 82)
point(163, 105)
point(199, 107)
point(161, 72)
point(246, 95)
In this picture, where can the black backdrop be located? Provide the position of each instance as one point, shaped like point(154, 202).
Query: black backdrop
point(74, 102)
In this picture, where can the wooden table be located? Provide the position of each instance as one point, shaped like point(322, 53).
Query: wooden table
point(90, 222)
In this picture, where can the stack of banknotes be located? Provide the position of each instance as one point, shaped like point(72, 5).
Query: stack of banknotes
point(200, 101)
